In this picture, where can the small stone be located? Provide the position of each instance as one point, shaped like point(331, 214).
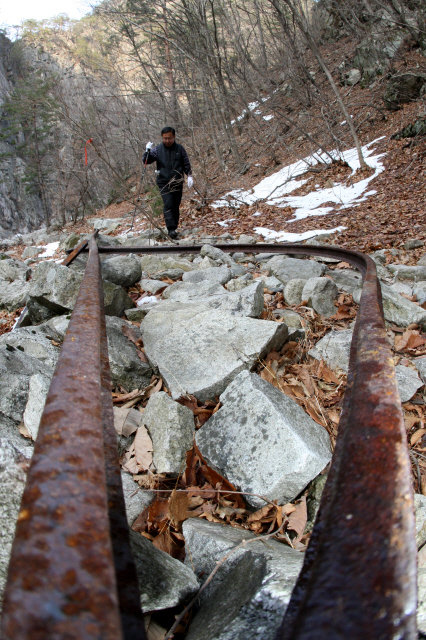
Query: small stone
point(219, 275)
point(237, 270)
point(405, 272)
point(281, 449)
point(272, 284)
point(320, 294)
point(207, 263)
point(293, 291)
point(216, 254)
point(420, 514)
point(286, 269)
point(31, 252)
point(152, 286)
point(124, 271)
point(13, 295)
point(353, 76)
point(37, 394)
point(163, 581)
point(116, 299)
point(245, 239)
point(173, 274)
point(415, 243)
point(135, 499)
point(293, 321)
point(408, 382)
point(346, 279)
point(153, 264)
point(188, 291)
point(34, 342)
point(334, 349)
point(139, 313)
point(72, 241)
point(398, 310)
point(236, 284)
point(420, 364)
point(127, 369)
point(421, 601)
point(422, 261)
point(171, 427)
point(419, 290)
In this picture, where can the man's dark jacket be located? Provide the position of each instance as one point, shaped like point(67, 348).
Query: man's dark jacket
point(172, 163)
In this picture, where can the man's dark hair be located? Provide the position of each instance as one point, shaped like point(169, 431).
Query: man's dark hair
point(168, 130)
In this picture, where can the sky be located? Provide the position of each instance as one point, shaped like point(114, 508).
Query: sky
point(15, 11)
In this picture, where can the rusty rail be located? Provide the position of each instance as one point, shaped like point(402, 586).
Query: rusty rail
point(71, 573)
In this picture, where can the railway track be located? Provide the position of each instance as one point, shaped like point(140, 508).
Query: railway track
point(71, 574)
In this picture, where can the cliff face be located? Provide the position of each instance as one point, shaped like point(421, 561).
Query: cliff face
point(19, 211)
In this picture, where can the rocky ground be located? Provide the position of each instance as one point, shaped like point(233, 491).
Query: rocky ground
point(228, 376)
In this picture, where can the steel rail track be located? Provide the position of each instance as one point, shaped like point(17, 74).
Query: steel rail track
point(71, 573)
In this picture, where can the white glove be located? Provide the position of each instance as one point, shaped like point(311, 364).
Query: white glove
point(190, 181)
point(149, 146)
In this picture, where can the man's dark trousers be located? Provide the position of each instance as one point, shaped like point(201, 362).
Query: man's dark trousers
point(172, 197)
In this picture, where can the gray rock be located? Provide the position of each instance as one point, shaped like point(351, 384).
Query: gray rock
point(218, 275)
point(127, 369)
point(420, 364)
point(419, 290)
point(346, 279)
point(122, 270)
point(422, 261)
point(281, 449)
point(200, 351)
point(398, 310)
point(401, 287)
point(139, 313)
point(334, 349)
point(420, 514)
point(245, 239)
point(406, 272)
point(12, 270)
point(152, 286)
point(9, 430)
point(238, 607)
point(403, 88)
point(16, 369)
point(135, 500)
point(320, 294)
point(153, 264)
point(37, 394)
point(12, 483)
point(53, 287)
point(244, 302)
point(408, 382)
point(237, 284)
point(163, 581)
point(239, 256)
point(293, 321)
point(116, 299)
point(314, 499)
point(187, 291)
point(265, 257)
point(13, 295)
point(33, 342)
point(55, 328)
point(290, 268)
point(379, 257)
point(421, 600)
point(293, 291)
point(31, 252)
point(173, 274)
point(171, 427)
point(272, 284)
point(237, 270)
point(104, 223)
point(216, 254)
point(72, 241)
point(414, 243)
point(353, 76)
point(207, 263)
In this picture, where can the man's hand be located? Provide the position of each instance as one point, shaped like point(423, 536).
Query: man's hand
point(149, 146)
point(190, 181)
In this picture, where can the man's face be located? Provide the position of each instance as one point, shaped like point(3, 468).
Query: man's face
point(168, 139)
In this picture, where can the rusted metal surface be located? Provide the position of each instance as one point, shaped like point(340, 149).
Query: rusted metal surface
point(359, 576)
point(61, 581)
point(73, 253)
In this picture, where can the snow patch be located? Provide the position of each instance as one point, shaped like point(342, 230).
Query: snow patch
point(146, 300)
point(284, 236)
point(267, 118)
point(49, 250)
point(224, 223)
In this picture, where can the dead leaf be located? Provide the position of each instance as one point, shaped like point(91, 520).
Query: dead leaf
point(178, 507)
point(325, 373)
point(298, 519)
point(417, 436)
point(143, 448)
point(307, 380)
point(129, 333)
point(126, 396)
point(24, 431)
point(153, 630)
point(166, 542)
point(126, 421)
point(410, 339)
point(260, 513)
point(410, 421)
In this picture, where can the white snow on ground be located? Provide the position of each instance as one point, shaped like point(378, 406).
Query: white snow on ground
point(284, 236)
point(274, 189)
point(224, 223)
point(49, 250)
point(146, 300)
point(267, 118)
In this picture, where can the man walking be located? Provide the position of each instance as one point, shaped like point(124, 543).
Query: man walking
point(172, 163)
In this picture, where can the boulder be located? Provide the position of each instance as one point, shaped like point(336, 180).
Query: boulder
point(244, 302)
point(33, 342)
point(163, 581)
point(16, 369)
point(238, 607)
point(406, 272)
point(135, 499)
point(173, 274)
point(13, 295)
point(293, 291)
point(54, 288)
point(280, 448)
point(122, 270)
point(245, 239)
point(139, 313)
point(346, 279)
point(31, 252)
point(37, 394)
point(12, 270)
point(422, 261)
point(104, 223)
point(236, 284)
point(72, 241)
point(171, 427)
point(398, 310)
point(55, 328)
point(200, 351)
point(402, 288)
point(403, 88)
point(353, 76)
point(9, 430)
point(334, 349)
point(116, 300)
point(207, 263)
point(187, 291)
point(293, 321)
point(414, 243)
point(152, 286)
point(408, 382)
point(152, 264)
point(419, 290)
point(12, 483)
point(286, 269)
point(237, 270)
point(127, 369)
point(216, 254)
point(420, 514)
point(217, 275)
point(320, 294)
